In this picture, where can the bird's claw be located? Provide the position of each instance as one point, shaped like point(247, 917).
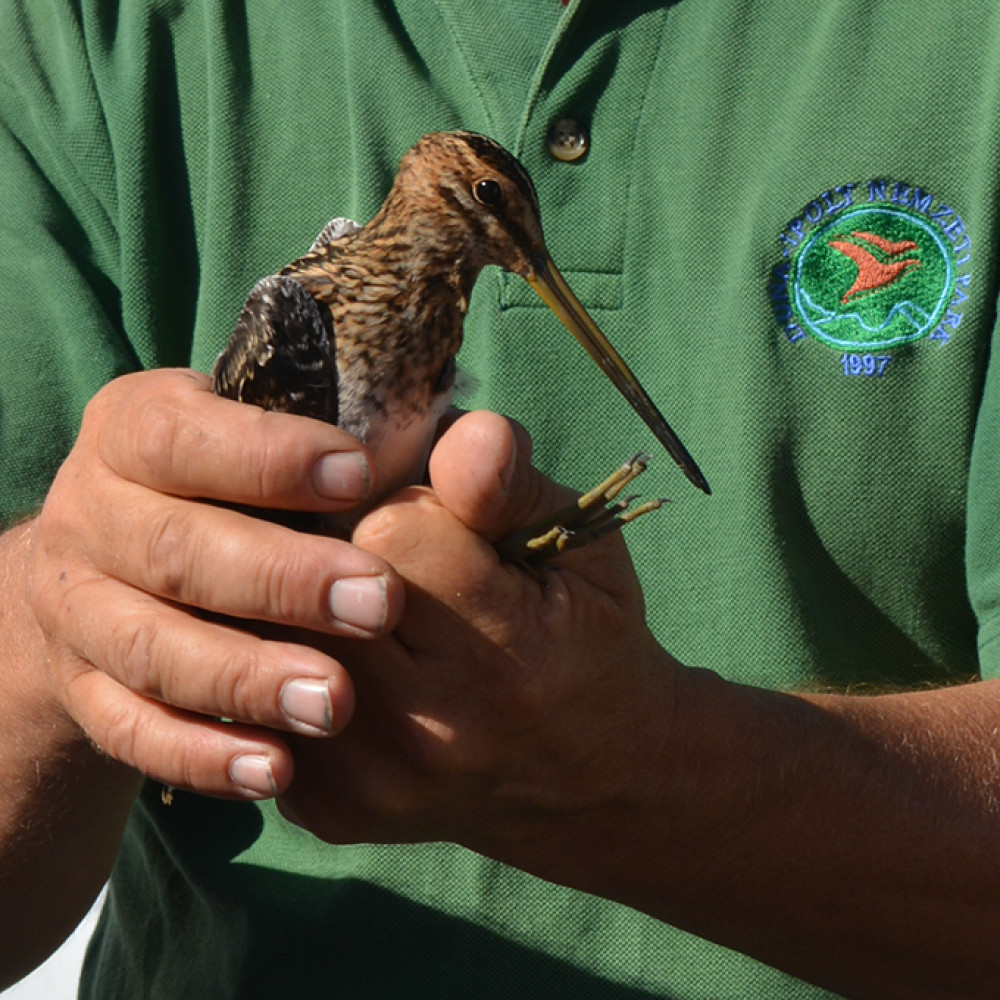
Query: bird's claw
point(598, 512)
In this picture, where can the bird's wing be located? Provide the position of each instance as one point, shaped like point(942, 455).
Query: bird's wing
point(333, 230)
point(282, 354)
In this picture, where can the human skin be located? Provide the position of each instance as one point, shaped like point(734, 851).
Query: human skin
point(109, 672)
point(846, 840)
point(849, 841)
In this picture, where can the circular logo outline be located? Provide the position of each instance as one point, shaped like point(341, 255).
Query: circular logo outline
point(807, 316)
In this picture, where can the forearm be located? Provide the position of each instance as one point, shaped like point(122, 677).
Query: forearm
point(63, 805)
point(850, 841)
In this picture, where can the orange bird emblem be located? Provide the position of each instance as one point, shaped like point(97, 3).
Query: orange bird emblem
point(875, 273)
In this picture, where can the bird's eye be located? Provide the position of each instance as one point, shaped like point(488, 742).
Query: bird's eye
point(488, 192)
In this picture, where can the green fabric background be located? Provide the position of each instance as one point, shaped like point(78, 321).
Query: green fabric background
point(159, 157)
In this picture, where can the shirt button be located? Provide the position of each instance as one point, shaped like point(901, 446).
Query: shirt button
point(567, 141)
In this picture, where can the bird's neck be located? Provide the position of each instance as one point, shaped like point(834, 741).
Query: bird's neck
point(435, 247)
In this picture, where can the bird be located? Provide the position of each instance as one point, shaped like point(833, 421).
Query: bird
point(362, 331)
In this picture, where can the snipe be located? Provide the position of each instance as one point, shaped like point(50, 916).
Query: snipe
point(363, 330)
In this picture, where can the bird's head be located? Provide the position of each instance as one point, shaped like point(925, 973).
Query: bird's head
point(476, 204)
point(474, 200)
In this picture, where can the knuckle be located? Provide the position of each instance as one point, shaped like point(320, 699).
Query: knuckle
point(61, 517)
point(239, 682)
point(53, 594)
point(47, 602)
point(158, 432)
point(111, 726)
point(95, 413)
point(149, 426)
point(112, 407)
point(263, 461)
point(278, 583)
point(190, 765)
point(395, 532)
point(171, 551)
point(118, 734)
point(135, 646)
point(272, 462)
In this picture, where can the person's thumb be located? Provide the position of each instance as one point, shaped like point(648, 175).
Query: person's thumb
point(481, 471)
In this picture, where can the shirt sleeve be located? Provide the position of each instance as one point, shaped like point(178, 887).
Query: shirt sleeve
point(60, 330)
point(983, 532)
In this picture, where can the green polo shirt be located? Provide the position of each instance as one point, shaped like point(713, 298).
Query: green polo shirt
point(785, 221)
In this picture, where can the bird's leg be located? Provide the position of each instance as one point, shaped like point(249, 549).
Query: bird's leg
point(597, 513)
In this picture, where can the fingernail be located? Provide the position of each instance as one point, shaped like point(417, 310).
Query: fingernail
point(360, 601)
point(306, 701)
point(252, 773)
point(342, 475)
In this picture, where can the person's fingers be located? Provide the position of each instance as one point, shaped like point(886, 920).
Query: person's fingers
point(137, 537)
point(167, 430)
point(436, 553)
point(482, 477)
point(224, 561)
point(163, 653)
point(481, 471)
point(177, 749)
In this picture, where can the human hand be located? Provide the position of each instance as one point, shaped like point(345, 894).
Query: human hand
point(127, 558)
point(504, 714)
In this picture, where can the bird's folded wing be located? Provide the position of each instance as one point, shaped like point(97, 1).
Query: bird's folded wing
point(281, 355)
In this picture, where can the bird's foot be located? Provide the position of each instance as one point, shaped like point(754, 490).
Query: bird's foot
point(598, 512)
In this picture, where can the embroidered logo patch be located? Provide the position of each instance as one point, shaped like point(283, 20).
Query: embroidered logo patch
point(868, 268)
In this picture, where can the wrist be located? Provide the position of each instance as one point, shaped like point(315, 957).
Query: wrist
point(29, 698)
point(678, 803)
point(56, 784)
point(580, 821)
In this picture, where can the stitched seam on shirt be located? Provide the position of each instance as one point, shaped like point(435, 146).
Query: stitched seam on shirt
point(570, 15)
point(654, 67)
point(467, 67)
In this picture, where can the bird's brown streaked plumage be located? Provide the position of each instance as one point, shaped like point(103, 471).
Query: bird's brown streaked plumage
point(363, 330)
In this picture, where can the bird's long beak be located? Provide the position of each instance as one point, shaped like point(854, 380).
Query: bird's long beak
point(557, 295)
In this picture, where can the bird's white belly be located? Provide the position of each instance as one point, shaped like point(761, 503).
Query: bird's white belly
point(399, 442)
